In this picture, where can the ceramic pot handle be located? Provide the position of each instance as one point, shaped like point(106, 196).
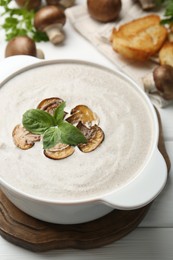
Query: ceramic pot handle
point(143, 189)
point(12, 64)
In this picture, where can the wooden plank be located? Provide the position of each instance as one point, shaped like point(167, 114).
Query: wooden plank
point(39, 236)
point(141, 244)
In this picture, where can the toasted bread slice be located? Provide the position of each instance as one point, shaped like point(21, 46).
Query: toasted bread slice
point(166, 54)
point(140, 38)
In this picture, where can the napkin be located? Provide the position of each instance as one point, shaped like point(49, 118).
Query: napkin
point(99, 35)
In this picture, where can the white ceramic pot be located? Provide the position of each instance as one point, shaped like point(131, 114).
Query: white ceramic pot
point(137, 193)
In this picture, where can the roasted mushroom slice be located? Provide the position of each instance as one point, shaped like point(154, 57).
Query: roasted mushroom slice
point(94, 136)
point(50, 104)
point(23, 138)
point(59, 151)
point(84, 114)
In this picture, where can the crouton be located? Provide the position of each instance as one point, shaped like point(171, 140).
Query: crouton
point(166, 54)
point(139, 39)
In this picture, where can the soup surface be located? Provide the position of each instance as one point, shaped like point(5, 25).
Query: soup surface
point(124, 118)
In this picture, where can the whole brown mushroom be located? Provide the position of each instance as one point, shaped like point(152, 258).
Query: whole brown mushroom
point(104, 10)
point(29, 4)
point(161, 80)
point(22, 45)
point(61, 3)
point(50, 19)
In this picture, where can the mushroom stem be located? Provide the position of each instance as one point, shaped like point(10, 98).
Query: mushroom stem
point(55, 33)
point(40, 54)
point(66, 3)
point(61, 3)
point(147, 4)
point(149, 84)
point(155, 59)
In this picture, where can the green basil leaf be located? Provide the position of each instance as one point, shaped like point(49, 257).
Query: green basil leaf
point(59, 113)
point(51, 137)
point(71, 135)
point(37, 121)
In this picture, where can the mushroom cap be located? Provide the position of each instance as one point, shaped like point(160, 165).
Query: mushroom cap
point(29, 4)
point(48, 15)
point(21, 45)
point(104, 10)
point(163, 78)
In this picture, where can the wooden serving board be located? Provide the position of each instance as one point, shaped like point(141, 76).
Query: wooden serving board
point(35, 235)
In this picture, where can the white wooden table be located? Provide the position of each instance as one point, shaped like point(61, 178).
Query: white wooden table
point(153, 239)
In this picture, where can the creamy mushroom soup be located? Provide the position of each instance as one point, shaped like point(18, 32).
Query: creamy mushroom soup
point(124, 118)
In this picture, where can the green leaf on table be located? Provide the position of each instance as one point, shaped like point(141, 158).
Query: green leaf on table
point(19, 21)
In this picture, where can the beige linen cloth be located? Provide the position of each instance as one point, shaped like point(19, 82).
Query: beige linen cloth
point(99, 35)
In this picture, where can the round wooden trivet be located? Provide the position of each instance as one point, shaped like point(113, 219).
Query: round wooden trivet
point(36, 235)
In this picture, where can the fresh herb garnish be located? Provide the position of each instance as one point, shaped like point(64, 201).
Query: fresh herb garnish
point(51, 137)
point(168, 6)
point(19, 22)
point(59, 113)
point(53, 128)
point(71, 134)
point(37, 121)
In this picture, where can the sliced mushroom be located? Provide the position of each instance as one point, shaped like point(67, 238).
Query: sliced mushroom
point(94, 136)
point(59, 151)
point(50, 104)
point(23, 138)
point(84, 114)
